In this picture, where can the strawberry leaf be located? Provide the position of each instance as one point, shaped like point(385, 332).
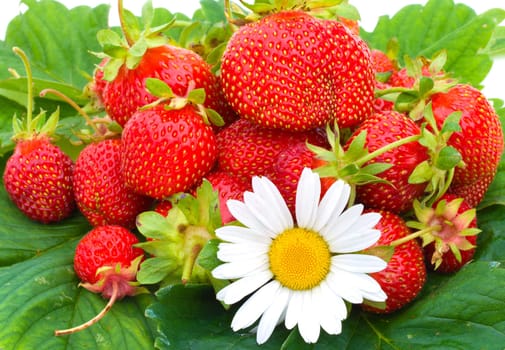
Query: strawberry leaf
point(441, 24)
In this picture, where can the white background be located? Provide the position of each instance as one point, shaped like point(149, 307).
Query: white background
point(370, 10)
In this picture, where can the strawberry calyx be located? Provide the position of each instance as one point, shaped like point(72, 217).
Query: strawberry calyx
point(439, 169)
point(115, 283)
point(130, 48)
point(324, 9)
point(193, 97)
point(428, 77)
point(349, 164)
point(100, 128)
point(38, 127)
point(444, 226)
point(175, 241)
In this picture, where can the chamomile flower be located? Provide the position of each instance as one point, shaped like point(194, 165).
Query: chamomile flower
point(300, 273)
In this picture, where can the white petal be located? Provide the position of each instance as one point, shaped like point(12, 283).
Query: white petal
point(239, 234)
point(308, 193)
point(241, 268)
point(332, 204)
point(294, 309)
point(231, 252)
point(338, 225)
point(309, 325)
point(354, 241)
point(359, 263)
point(237, 290)
point(335, 304)
point(329, 310)
point(342, 284)
point(377, 295)
point(264, 211)
point(242, 213)
point(254, 307)
point(272, 315)
point(276, 203)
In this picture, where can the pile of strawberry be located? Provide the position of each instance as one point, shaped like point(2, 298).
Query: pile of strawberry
point(293, 91)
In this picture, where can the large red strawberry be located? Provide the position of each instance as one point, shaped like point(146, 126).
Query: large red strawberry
point(480, 140)
point(393, 192)
point(449, 230)
point(106, 262)
point(38, 175)
point(405, 274)
point(165, 151)
point(290, 70)
point(100, 191)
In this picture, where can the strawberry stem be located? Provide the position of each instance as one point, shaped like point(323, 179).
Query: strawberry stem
point(124, 28)
point(112, 300)
point(415, 235)
point(73, 104)
point(29, 76)
point(387, 148)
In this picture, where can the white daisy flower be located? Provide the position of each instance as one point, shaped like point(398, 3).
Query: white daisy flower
point(299, 273)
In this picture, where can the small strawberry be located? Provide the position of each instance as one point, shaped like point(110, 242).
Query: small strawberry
point(165, 151)
point(38, 175)
point(405, 274)
point(292, 71)
point(449, 232)
point(147, 54)
point(100, 191)
point(106, 262)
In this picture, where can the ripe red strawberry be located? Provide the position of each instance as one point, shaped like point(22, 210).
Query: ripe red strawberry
point(38, 179)
point(381, 62)
point(397, 194)
point(480, 141)
point(451, 232)
point(290, 70)
point(179, 68)
point(106, 262)
point(228, 187)
point(100, 191)
point(166, 151)
point(405, 274)
point(246, 149)
point(38, 175)
point(474, 192)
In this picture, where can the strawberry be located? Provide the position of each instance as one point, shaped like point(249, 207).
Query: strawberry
point(100, 191)
point(165, 151)
point(292, 71)
point(449, 232)
point(38, 175)
point(179, 68)
point(396, 194)
point(228, 187)
point(246, 149)
point(38, 179)
point(479, 141)
point(405, 274)
point(106, 262)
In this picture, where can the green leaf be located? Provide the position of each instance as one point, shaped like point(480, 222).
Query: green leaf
point(189, 317)
point(448, 158)
point(58, 49)
point(41, 295)
point(441, 24)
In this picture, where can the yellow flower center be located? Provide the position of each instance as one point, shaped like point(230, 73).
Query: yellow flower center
point(299, 259)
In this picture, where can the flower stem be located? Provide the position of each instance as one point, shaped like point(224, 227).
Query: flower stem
point(387, 148)
point(124, 28)
point(112, 300)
